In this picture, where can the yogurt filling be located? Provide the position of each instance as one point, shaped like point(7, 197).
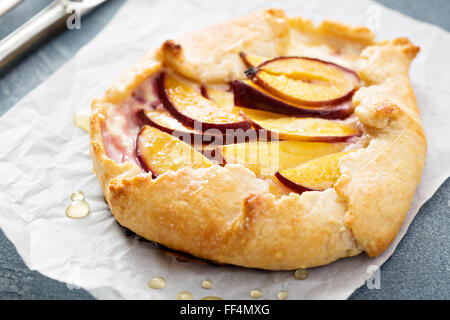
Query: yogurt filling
point(122, 124)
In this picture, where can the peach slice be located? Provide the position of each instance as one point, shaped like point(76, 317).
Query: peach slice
point(305, 81)
point(315, 175)
point(159, 152)
point(248, 95)
point(187, 104)
point(265, 158)
point(299, 129)
point(162, 120)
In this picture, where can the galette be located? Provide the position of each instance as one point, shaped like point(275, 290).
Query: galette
point(267, 141)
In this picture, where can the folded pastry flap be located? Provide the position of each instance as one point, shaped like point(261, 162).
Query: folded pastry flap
point(334, 31)
point(212, 55)
point(384, 68)
point(182, 209)
point(379, 181)
point(312, 228)
point(133, 77)
point(241, 226)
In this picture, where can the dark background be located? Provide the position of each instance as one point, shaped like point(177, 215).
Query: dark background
point(419, 267)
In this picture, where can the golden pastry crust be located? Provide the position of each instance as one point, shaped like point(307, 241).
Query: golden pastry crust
point(247, 225)
point(379, 182)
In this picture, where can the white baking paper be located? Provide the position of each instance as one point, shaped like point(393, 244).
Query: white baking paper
point(44, 158)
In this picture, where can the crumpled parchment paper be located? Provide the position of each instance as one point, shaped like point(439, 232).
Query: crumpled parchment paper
point(44, 158)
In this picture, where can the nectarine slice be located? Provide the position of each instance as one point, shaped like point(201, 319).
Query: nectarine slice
point(265, 158)
point(315, 175)
point(187, 104)
point(159, 152)
point(305, 81)
point(299, 129)
point(249, 95)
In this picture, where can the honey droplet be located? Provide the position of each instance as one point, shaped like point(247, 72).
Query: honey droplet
point(301, 274)
point(282, 295)
point(211, 298)
point(256, 293)
point(185, 295)
point(81, 120)
point(157, 283)
point(77, 196)
point(207, 284)
point(78, 209)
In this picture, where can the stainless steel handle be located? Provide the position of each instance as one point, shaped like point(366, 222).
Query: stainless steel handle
point(6, 5)
point(31, 32)
point(41, 25)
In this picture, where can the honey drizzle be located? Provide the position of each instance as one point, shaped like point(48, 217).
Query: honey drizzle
point(78, 208)
point(185, 295)
point(256, 293)
point(157, 283)
point(282, 295)
point(207, 284)
point(301, 274)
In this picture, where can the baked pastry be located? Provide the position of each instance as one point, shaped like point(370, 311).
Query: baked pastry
point(267, 142)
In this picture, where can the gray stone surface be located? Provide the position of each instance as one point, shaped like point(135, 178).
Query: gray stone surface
point(419, 268)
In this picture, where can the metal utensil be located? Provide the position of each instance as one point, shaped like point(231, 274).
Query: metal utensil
point(52, 18)
point(6, 5)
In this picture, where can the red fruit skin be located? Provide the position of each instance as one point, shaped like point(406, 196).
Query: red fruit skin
point(250, 97)
point(292, 185)
point(186, 120)
point(204, 91)
point(140, 159)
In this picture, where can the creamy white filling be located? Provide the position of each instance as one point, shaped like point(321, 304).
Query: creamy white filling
point(122, 124)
